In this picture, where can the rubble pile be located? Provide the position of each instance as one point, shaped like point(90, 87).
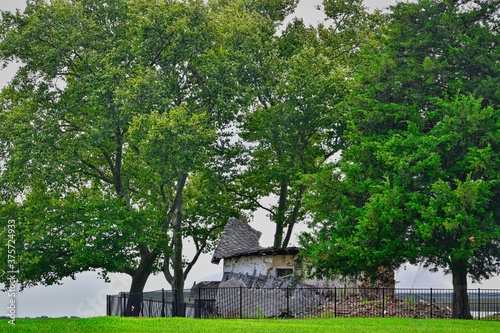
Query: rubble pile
point(358, 306)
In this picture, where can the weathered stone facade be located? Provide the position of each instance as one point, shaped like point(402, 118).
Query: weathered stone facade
point(242, 254)
point(261, 263)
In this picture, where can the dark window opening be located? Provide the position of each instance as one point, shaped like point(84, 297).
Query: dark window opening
point(284, 272)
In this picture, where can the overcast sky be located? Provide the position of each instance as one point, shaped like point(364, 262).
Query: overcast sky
point(87, 295)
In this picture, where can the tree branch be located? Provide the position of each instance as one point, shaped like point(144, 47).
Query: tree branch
point(199, 249)
point(178, 195)
point(255, 201)
point(100, 174)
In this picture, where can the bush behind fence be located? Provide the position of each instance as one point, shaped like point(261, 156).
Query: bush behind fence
point(240, 302)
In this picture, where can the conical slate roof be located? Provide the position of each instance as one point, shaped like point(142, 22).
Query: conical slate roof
point(237, 238)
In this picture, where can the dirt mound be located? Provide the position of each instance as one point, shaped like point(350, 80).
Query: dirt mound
point(358, 306)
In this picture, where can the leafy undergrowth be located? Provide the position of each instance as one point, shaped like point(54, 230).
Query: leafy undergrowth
point(181, 325)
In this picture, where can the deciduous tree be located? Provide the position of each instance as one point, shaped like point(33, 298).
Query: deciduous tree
point(111, 131)
point(295, 123)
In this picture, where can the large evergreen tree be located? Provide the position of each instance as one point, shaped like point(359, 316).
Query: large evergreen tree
point(418, 181)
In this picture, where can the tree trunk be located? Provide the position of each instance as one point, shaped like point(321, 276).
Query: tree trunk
point(278, 235)
point(178, 309)
point(461, 308)
point(139, 278)
point(280, 215)
point(293, 217)
point(176, 278)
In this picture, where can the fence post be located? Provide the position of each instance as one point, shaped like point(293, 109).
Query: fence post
point(174, 302)
point(241, 302)
point(199, 301)
point(432, 302)
point(163, 302)
point(124, 305)
point(288, 301)
point(335, 303)
point(479, 303)
point(383, 302)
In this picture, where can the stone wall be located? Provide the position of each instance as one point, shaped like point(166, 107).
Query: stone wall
point(258, 264)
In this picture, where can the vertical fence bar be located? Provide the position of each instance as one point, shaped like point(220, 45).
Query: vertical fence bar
point(175, 306)
point(432, 303)
point(287, 302)
point(241, 302)
point(162, 303)
point(124, 306)
point(335, 303)
point(478, 303)
point(383, 302)
point(199, 301)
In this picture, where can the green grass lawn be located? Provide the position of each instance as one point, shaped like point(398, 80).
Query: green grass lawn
point(122, 325)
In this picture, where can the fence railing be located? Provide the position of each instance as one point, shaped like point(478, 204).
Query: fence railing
point(243, 302)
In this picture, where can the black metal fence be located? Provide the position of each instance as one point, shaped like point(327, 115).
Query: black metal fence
point(160, 303)
point(243, 302)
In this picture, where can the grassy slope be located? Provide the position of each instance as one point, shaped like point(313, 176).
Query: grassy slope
point(115, 324)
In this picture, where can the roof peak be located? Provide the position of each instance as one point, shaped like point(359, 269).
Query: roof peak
point(238, 237)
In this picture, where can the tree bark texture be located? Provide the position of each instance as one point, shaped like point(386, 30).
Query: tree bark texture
point(461, 308)
point(139, 278)
point(179, 309)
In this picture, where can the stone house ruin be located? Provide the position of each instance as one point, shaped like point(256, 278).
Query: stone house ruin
point(250, 267)
point(244, 259)
point(259, 281)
